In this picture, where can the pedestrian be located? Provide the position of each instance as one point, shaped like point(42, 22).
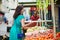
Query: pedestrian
point(3, 18)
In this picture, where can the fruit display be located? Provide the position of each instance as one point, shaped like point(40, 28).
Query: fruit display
point(36, 28)
point(58, 36)
point(41, 33)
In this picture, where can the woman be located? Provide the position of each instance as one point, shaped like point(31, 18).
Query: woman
point(19, 23)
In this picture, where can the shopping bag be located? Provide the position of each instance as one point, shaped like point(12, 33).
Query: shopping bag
point(20, 35)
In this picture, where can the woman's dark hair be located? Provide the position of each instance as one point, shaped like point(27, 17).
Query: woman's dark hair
point(1, 12)
point(17, 11)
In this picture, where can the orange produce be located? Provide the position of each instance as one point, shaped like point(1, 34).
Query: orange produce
point(58, 34)
point(49, 36)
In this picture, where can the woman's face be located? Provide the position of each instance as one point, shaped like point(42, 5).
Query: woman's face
point(1, 17)
point(22, 11)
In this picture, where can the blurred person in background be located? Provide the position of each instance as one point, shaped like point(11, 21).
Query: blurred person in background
point(3, 18)
point(3, 24)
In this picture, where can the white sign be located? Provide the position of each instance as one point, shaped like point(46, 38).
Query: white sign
point(26, 0)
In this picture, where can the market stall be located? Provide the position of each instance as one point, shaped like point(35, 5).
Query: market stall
point(43, 32)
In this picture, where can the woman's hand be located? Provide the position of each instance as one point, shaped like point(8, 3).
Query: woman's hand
point(26, 26)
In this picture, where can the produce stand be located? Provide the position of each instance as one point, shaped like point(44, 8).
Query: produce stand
point(42, 32)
